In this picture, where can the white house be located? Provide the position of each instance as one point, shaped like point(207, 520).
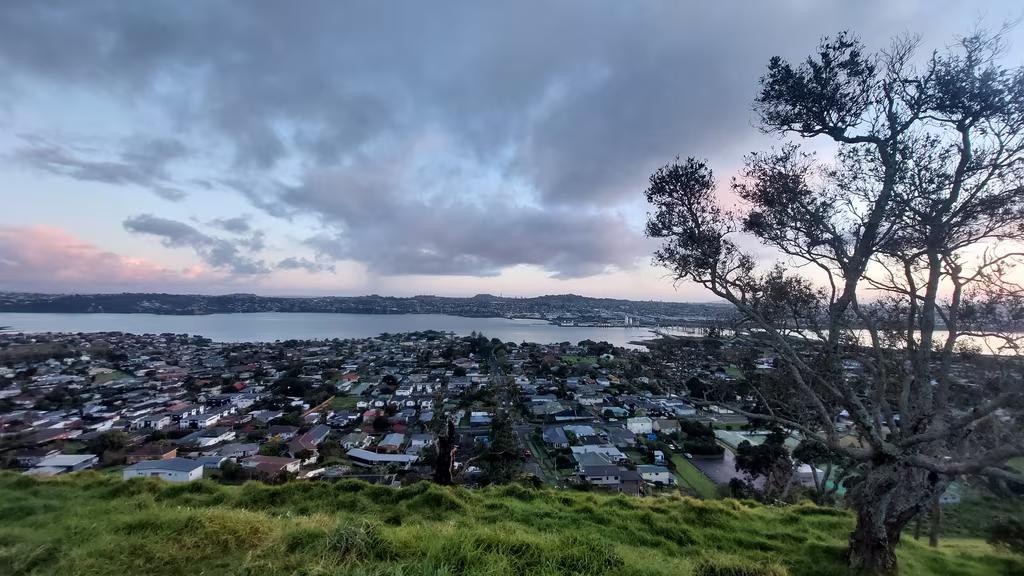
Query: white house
point(640, 425)
point(655, 474)
point(200, 420)
point(172, 470)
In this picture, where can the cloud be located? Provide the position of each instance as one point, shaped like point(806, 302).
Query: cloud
point(140, 162)
point(217, 252)
point(580, 100)
point(376, 220)
point(235, 225)
point(311, 266)
point(49, 259)
point(452, 138)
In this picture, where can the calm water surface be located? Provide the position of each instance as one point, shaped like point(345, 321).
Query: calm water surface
point(270, 326)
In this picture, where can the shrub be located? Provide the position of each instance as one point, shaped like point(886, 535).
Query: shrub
point(1008, 533)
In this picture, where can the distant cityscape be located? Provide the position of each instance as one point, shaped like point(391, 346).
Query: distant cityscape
point(568, 310)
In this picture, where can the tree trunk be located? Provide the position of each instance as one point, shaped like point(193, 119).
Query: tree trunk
point(887, 498)
point(935, 516)
point(873, 545)
point(446, 447)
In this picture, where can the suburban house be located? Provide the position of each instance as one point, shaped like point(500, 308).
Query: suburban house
point(211, 462)
point(239, 450)
point(392, 443)
point(555, 437)
point(31, 456)
point(611, 452)
point(587, 459)
point(656, 474)
point(640, 425)
point(308, 443)
point(666, 426)
point(418, 442)
point(362, 457)
point(172, 470)
point(355, 440)
point(208, 437)
point(630, 482)
point(607, 475)
point(63, 463)
point(271, 465)
point(154, 421)
point(196, 421)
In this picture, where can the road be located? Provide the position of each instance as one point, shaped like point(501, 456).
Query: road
point(720, 471)
point(508, 400)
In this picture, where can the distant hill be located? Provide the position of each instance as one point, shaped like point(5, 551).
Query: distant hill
point(569, 307)
point(94, 523)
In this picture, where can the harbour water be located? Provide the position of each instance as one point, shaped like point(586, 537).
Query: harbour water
point(271, 326)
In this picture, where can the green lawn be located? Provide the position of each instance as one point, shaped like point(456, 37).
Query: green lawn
point(110, 377)
point(586, 360)
point(342, 402)
point(99, 525)
point(694, 478)
point(977, 509)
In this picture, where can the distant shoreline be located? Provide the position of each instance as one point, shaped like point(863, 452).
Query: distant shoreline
point(562, 310)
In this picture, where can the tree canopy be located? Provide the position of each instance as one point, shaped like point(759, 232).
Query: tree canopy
point(890, 262)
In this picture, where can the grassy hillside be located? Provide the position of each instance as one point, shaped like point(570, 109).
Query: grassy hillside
point(96, 524)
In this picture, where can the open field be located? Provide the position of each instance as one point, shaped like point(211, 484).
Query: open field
point(95, 524)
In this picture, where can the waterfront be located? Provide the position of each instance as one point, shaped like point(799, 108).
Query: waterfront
point(271, 326)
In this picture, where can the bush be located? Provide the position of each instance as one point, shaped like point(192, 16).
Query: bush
point(1008, 534)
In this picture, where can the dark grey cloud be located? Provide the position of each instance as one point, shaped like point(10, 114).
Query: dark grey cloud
point(567, 107)
point(235, 225)
point(139, 161)
point(378, 221)
point(217, 252)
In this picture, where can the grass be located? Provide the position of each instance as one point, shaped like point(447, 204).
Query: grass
point(92, 524)
point(1017, 464)
point(977, 509)
point(343, 402)
point(694, 478)
point(105, 377)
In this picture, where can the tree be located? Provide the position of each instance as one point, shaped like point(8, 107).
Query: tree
point(447, 445)
point(501, 461)
point(911, 227)
point(113, 441)
point(834, 472)
point(272, 448)
point(1008, 533)
point(769, 460)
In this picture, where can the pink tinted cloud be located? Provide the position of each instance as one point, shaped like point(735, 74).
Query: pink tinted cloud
point(50, 259)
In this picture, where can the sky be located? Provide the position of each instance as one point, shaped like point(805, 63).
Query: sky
point(344, 148)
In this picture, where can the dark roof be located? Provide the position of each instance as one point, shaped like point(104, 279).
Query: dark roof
point(628, 475)
point(601, 471)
